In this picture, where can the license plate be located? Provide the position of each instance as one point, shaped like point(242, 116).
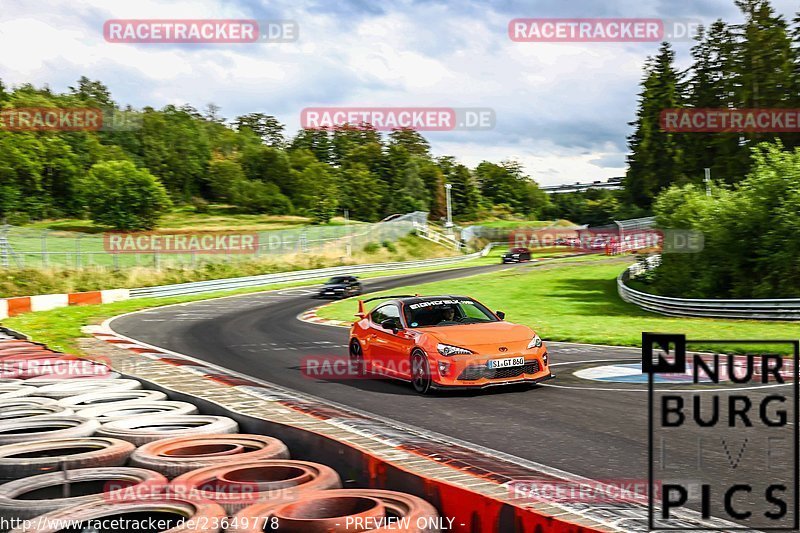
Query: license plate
point(505, 363)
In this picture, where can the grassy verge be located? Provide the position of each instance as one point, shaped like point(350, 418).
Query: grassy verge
point(218, 217)
point(60, 328)
point(30, 281)
point(576, 300)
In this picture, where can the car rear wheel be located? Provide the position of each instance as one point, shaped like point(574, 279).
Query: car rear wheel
point(420, 373)
point(357, 356)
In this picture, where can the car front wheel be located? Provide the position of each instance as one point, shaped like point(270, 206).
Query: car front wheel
point(357, 357)
point(420, 373)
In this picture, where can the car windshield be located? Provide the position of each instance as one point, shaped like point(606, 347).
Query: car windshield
point(446, 312)
point(335, 280)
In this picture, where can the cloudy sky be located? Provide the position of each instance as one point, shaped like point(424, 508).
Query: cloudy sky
point(562, 109)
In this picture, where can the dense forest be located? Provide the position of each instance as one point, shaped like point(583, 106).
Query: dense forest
point(179, 155)
point(125, 178)
point(753, 65)
point(749, 213)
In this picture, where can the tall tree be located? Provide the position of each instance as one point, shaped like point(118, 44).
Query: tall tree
point(655, 160)
point(212, 113)
point(361, 193)
point(93, 92)
point(712, 83)
point(345, 139)
point(411, 140)
point(765, 66)
point(317, 141)
point(175, 148)
point(266, 127)
point(464, 193)
point(431, 176)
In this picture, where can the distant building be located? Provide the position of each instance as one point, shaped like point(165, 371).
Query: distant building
point(611, 184)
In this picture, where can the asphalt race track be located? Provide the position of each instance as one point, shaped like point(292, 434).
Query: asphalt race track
point(590, 426)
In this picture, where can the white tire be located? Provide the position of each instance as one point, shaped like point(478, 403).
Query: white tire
point(36, 495)
point(72, 387)
point(26, 401)
point(141, 430)
point(96, 399)
point(41, 381)
point(123, 410)
point(15, 413)
point(15, 391)
point(46, 428)
point(35, 457)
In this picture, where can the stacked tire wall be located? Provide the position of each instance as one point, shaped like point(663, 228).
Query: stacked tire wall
point(83, 448)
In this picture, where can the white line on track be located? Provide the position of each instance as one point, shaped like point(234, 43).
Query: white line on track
point(606, 389)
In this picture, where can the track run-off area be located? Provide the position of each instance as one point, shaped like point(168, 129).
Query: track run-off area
point(591, 420)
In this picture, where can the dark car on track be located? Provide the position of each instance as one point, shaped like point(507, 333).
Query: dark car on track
point(340, 287)
point(517, 255)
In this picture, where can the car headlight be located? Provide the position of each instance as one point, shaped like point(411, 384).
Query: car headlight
point(536, 342)
point(338, 289)
point(447, 350)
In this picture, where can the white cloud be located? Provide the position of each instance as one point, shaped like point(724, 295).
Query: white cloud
point(561, 109)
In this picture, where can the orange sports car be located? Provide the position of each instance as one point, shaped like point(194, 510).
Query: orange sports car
point(439, 342)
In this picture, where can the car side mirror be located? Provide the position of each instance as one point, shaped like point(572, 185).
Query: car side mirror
point(392, 324)
point(501, 315)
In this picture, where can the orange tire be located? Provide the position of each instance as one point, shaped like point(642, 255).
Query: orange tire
point(184, 516)
point(178, 455)
point(237, 485)
point(332, 511)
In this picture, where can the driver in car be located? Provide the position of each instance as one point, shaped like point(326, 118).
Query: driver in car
point(448, 314)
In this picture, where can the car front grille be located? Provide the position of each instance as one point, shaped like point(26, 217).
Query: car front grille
point(476, 372)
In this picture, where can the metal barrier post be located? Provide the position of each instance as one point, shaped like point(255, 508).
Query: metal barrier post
point(44, 248)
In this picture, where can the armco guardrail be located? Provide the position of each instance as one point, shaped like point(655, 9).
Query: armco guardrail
point(283, 277)
point(753, 309)
point(26, 304)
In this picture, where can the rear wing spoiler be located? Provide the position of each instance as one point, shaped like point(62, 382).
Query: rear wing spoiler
point(362, 313)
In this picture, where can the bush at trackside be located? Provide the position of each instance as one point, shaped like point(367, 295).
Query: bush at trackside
point(124, 197)
point(750, 248)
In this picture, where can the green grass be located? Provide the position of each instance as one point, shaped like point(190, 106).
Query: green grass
point(60, 328)
point(219, 217)
point(30, 281)
point(576, 300)
point(77, 243)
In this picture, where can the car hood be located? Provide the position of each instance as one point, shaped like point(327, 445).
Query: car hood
point(334, 285)
point(473, 335)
